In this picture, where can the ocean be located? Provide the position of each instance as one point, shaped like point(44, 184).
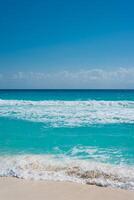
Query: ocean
point(84, 136)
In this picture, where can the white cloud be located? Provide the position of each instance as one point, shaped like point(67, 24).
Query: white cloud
point(88, 78)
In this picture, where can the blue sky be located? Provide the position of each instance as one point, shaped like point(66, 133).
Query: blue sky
point(66, 44)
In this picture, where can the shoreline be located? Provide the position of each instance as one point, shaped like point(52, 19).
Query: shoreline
point(21, 189)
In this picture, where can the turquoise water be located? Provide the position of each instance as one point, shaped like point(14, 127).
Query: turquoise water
point(84, 136)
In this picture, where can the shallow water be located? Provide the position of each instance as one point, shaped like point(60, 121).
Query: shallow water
point(81, 136)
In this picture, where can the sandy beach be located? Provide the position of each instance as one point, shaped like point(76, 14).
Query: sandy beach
point(19, 189)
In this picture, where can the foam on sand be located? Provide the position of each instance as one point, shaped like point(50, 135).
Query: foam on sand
point(63, 168)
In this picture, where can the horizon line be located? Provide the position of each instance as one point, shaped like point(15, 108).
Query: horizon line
point(67, 89)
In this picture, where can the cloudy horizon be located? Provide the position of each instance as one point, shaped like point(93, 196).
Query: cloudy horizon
point(120, 78)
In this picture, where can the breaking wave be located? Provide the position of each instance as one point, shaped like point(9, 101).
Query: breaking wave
point(63, 168)
point(69, 113)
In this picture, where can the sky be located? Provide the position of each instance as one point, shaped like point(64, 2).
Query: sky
point(66, 44)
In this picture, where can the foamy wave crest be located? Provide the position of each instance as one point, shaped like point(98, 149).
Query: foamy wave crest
point(49, 167)
point(69, 113)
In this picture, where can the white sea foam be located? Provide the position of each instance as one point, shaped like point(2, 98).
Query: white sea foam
point(106, 155)
point(63, 168)
point(69, 113)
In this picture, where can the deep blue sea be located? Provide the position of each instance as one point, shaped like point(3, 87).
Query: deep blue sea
point(84, 136)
